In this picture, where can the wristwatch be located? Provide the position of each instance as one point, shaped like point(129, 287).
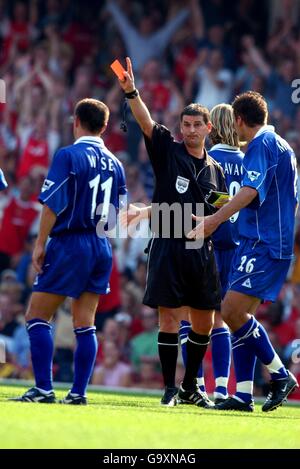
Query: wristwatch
point(132, 94)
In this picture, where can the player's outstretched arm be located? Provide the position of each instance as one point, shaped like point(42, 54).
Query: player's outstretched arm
point(210, 223)
point(138, 107)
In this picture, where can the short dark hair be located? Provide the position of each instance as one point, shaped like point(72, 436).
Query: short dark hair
point(251, 107)
point(93, 114)
point(195, 109)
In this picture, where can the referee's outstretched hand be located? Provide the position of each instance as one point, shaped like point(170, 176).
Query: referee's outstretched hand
point(132, 215)
point(128, 83)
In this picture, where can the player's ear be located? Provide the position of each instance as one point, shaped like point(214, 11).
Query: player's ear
point(103, 128)
point(76, 122)
point(238, 121)
point(209, 126)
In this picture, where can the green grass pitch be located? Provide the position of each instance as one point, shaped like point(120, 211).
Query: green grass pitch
point(138, 421)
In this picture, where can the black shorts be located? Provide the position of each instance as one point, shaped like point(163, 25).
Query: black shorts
point(177, 276)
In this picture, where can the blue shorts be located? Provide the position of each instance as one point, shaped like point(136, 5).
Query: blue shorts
point(76, 263)
point(255, 273)
point(224, 263)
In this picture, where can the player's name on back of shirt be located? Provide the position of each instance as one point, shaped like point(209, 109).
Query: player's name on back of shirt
point(232, 168)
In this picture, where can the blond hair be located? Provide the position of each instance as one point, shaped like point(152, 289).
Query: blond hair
point(223, 131)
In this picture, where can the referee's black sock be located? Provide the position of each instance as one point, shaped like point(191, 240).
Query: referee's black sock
point(168, 352)
point(195, 350)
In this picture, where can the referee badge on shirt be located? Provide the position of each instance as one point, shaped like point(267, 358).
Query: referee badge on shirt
point(182, 184)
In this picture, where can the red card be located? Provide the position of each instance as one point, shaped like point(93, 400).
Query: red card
point(118, 69)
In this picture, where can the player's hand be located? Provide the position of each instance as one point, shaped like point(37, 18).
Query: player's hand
point(204, 229)
point(38, 257)
point(128, 83)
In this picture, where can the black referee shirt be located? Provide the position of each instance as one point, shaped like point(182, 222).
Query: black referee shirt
point(180, 177)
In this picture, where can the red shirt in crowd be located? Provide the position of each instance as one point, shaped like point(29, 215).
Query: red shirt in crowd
point(17, 220)
point(36, 153)
point(159, 95)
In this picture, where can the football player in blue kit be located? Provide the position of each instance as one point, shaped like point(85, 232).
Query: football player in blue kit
point(267, 203)
point(83, 189)
point(226, 152)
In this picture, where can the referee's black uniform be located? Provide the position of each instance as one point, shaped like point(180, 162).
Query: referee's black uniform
point(178, 276)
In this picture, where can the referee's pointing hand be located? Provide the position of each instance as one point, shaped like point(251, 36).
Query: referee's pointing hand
point(128, 83)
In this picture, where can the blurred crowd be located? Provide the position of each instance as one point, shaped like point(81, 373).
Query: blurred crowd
point(56, 52)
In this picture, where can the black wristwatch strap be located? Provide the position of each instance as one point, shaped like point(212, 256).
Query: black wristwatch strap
point(132, 94)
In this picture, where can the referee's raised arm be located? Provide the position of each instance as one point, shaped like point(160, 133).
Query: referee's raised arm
point(138, 107)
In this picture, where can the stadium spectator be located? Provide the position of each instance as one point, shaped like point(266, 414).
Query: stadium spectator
point(148, 376)
point(143, 346)
point(112, 371)
point(18, 218)
point(146, 42)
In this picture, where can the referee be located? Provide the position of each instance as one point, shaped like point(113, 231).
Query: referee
point(178, 276)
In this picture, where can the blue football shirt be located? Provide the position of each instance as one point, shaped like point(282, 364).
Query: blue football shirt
point(270, 167)
point(231, 161)
point(84, 181)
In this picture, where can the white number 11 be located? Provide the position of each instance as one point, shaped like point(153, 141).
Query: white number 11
point(106, 187)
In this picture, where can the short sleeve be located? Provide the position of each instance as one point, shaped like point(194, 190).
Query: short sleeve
point(259, 168)
point(54, 192)
point(159, 145)
point(122, 180)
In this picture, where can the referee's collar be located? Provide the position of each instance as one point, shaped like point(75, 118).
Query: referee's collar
point(208, 160)
point(89, 139)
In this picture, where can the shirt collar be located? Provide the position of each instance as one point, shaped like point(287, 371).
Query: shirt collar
point(223, 146)
point(89, 139)
point(263, 129)
point(207, 159)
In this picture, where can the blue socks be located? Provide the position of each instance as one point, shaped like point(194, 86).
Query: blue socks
point(184, 330)
point(221, 357)
point(244, 360)
point(221, 351)
point(249, 342)
point(84, 358)
point(41, 345)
